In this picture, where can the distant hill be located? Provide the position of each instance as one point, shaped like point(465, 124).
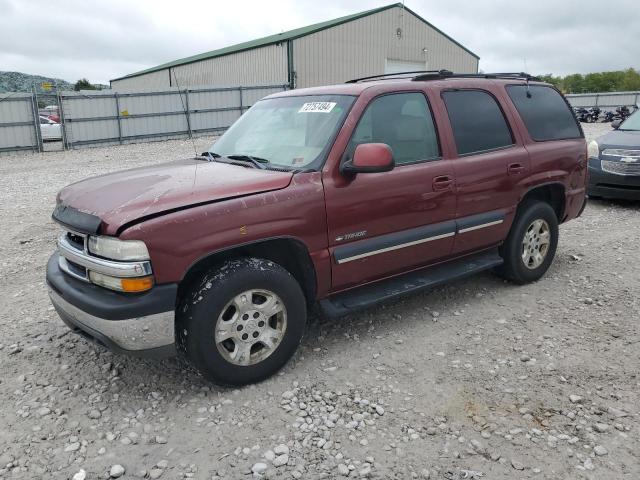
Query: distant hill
point(21, 82)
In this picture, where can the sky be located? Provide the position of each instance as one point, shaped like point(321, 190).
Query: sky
point(72, 39)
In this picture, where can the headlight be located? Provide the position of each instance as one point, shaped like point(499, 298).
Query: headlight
point(132, 285)
point(116, 249)
point(593, 150)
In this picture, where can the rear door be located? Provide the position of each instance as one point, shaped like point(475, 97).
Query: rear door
point(380, 224)
point(490, 164)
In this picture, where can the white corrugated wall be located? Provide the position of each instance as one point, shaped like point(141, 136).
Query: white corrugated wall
point(354, 49)
point(361, 47)
point(147, 82)
point(260, 66)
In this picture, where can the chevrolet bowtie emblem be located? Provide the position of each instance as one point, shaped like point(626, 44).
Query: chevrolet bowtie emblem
point(628, 160)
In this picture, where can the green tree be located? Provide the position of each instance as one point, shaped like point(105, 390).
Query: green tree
point(84, 84)
point(616, 81)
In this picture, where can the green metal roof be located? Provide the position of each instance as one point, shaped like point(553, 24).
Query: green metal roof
point(283, 37)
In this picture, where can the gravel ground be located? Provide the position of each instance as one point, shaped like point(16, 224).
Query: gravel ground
point(480, 378)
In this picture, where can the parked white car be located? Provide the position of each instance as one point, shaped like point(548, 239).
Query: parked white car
point(50, 130)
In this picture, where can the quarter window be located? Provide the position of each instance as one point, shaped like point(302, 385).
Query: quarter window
point(477, 121)
point(544, 112)
point(404, 122)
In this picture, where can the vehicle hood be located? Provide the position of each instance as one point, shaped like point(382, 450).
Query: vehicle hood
point(629, 139)
point(131, 195)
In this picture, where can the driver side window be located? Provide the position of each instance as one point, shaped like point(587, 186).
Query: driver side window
point(404, 122)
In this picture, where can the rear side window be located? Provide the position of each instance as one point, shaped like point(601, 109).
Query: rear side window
point(544, 112)
point(477, 121)
point(402, 121)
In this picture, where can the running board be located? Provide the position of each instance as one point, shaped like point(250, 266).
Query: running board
point(369, 295)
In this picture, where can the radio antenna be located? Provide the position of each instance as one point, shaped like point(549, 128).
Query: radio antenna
point(186, 114)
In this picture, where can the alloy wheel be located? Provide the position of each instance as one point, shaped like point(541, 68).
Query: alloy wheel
point(250, 327)
point(535, 244)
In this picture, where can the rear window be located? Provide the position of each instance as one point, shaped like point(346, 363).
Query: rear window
point(477, 121)
point(544, 112)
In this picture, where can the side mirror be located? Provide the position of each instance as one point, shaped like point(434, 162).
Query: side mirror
point(616, 124)
point(370, 158)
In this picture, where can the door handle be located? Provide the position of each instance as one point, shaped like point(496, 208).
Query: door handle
point(515, 168)
point(443, 182)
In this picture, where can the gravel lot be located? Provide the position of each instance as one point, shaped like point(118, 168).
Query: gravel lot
point(479, 378)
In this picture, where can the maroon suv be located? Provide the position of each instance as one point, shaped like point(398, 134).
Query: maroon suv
point(344, 196)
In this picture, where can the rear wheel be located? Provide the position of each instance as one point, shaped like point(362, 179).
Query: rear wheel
point(241, 322)
point(531, 245)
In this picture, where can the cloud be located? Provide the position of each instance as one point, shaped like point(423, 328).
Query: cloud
point(71, 39)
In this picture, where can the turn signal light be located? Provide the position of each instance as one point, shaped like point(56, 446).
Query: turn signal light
point(141, 284)
point(131, 285)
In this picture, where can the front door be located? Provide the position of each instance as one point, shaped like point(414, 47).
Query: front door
point(380, 224)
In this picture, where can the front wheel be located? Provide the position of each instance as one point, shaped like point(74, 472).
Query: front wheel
point(531, 245)
point(241, 322)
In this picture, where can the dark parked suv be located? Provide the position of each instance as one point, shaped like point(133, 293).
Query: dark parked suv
point(342, 196)
point(614, 161)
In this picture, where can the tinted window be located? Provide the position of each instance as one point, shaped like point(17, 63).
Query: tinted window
point(477, 121)
point(545, 113)
point(403, 121)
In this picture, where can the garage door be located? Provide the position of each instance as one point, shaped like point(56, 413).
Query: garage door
point(399, 66)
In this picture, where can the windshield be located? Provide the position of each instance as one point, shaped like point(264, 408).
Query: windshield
point(631, 123)
point(290, 132)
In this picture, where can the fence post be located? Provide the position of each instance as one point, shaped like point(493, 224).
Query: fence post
point(187, 112)
point(36, 119)
point(118, 117)
point(63, 124)
point(241, 102)
point(597, 97)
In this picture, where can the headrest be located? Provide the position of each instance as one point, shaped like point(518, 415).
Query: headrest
point(411, 129)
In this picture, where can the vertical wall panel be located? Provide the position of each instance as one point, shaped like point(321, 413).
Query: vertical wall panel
point(17, 123)
point(260, 66)
point(147, 82)
point(360, 48)
point(606, 100)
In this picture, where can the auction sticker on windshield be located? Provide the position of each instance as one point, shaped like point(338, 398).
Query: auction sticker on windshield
point(317, 107)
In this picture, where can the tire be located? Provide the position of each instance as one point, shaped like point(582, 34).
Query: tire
point(533, 216)
point(236, 301)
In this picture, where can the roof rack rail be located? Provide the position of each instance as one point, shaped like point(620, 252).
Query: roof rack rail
point(443, 74)
point(393, 76)
point(423, 75)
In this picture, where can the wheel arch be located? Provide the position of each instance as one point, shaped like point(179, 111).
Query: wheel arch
point(288, 252)
point(552, 193)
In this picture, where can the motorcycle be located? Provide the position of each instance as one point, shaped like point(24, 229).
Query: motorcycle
point(582, 114)
point(609, 117)
point(622, 112)
point(594, 114)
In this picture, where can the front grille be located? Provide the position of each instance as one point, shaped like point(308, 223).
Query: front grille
point(76, 240)
point(76, 269)
point(621, 152)
point(621, 167)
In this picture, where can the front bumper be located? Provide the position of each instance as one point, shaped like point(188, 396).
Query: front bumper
point(139, 325)
point(610, 185)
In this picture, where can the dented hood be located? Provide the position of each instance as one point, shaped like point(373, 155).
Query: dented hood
point(130, 195)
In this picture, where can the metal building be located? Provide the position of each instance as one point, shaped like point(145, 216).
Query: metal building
point(388, 39)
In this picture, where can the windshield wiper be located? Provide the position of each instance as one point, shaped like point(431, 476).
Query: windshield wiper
point(257, 162)
point(209, 156)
